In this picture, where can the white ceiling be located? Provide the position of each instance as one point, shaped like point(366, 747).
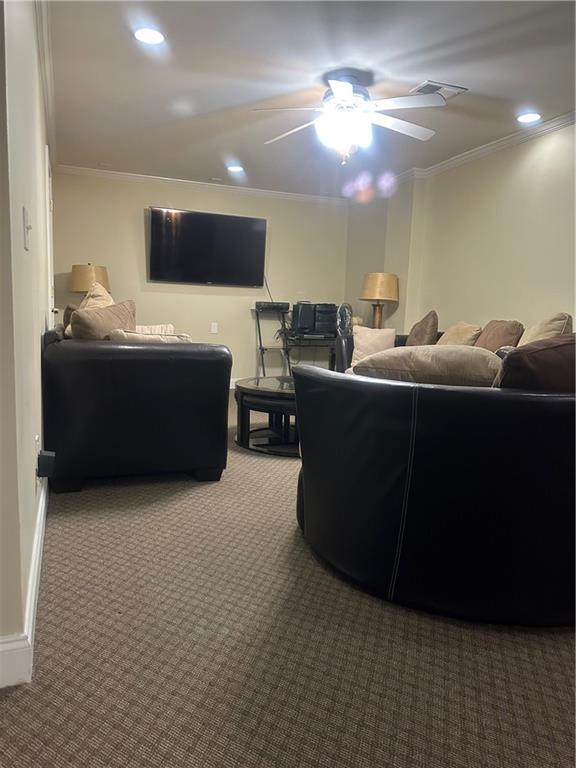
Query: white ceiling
point(182, 110)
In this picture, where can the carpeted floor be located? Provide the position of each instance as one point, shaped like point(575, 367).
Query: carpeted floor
point(182, 624)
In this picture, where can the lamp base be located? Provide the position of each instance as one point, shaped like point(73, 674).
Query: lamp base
point(377, 315)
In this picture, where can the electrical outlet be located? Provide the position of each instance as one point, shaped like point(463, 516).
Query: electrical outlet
point(213, 327)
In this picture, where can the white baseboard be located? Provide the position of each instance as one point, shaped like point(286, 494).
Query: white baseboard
point(17, 651)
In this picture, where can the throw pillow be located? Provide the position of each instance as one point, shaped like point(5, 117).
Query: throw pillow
point(424, 331)
point(162, 328)
point(68, 314)
point(500, 333)
point(134, 337)
point(460, 333)
point(548, 329)
point(370, 340)
point(457, 365)
point(98, 322)
point(97, 296)
point(541, 366)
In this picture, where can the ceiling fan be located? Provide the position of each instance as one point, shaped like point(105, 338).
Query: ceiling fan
point(348, 113)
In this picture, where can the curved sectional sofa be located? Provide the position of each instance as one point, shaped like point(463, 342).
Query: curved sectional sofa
point(458, 500)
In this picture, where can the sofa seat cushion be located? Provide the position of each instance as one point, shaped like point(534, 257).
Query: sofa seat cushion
point(550, 328)
point(424, 331)
point(97, 323)
point(541, 366)
point(460, 333)
point(367, 341)
point(500, 333)
point(456, 365)
point(133, 337)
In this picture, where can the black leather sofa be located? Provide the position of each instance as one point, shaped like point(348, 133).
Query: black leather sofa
point(118, 409)
point(458, 500)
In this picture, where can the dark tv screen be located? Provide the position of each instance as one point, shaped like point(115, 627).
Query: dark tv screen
point(195, 247)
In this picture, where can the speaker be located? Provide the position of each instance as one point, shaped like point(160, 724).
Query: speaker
point(303, 317)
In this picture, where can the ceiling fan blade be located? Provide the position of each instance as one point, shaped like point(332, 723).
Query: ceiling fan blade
point(294, 130)
point(401, 126)
point(410, 102)
point(341, 89)
point(287, 109)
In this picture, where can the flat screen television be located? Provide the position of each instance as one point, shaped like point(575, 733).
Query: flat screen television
point(205, 248)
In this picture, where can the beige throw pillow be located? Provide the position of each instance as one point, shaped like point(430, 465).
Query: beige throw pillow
point(133, 337)
point(96, 297)
point(457, 365)
point(98, 322)
point(460, 333)
point(424, 331)
point(548, 329)
point(499, 333)
point(367, 341)
point(162, 328)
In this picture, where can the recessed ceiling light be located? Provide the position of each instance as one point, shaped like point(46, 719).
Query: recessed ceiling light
point(529, 117)
point(149, 36)
point(234, 169)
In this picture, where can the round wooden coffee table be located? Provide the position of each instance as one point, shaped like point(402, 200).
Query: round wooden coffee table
point(275, 396)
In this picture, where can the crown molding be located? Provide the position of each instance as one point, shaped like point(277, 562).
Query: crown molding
point(519, 137)
point(101, 173)
point(45, 61)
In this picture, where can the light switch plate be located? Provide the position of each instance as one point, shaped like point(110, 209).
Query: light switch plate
point(213, 327)
point(26, 228)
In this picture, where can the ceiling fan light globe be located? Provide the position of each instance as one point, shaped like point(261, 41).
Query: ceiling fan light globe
point(343, 131)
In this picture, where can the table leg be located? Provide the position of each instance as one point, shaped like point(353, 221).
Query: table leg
point(243, 427)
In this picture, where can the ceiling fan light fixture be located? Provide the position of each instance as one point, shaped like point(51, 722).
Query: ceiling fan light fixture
point(344, 131)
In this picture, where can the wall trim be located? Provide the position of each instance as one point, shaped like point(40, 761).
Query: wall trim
point(17, 651)
point(101, 173)
point(519, 137)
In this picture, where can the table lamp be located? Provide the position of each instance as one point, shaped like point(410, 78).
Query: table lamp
point(378, 287)
point(83, 277)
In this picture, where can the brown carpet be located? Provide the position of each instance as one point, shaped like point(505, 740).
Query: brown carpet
point(182, 624)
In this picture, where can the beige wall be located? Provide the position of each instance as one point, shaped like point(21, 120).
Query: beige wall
point(500, 234)
point(366, 244)
point(492, 238)
point(24, 307)
point(100, 219)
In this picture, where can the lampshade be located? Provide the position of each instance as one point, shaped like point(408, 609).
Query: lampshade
point(83, 277)
point(379, 286)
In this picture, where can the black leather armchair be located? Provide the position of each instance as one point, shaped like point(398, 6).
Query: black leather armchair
point(458, 500)
point(119, 409)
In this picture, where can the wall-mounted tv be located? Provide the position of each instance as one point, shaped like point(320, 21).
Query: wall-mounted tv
point(205, 248)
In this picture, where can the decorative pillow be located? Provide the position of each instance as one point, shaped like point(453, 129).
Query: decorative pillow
point(162, 328)
point(424, 331)
point(96, 297)
point(457, 365)
point(68, 314)
point(97, 323)
point(133, 337)
point(460, 333)
point(370, 340)
point(542, 366)
point(548, 329)
point(499, 333)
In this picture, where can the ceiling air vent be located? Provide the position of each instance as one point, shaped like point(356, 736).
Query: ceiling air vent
point(444, 89)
